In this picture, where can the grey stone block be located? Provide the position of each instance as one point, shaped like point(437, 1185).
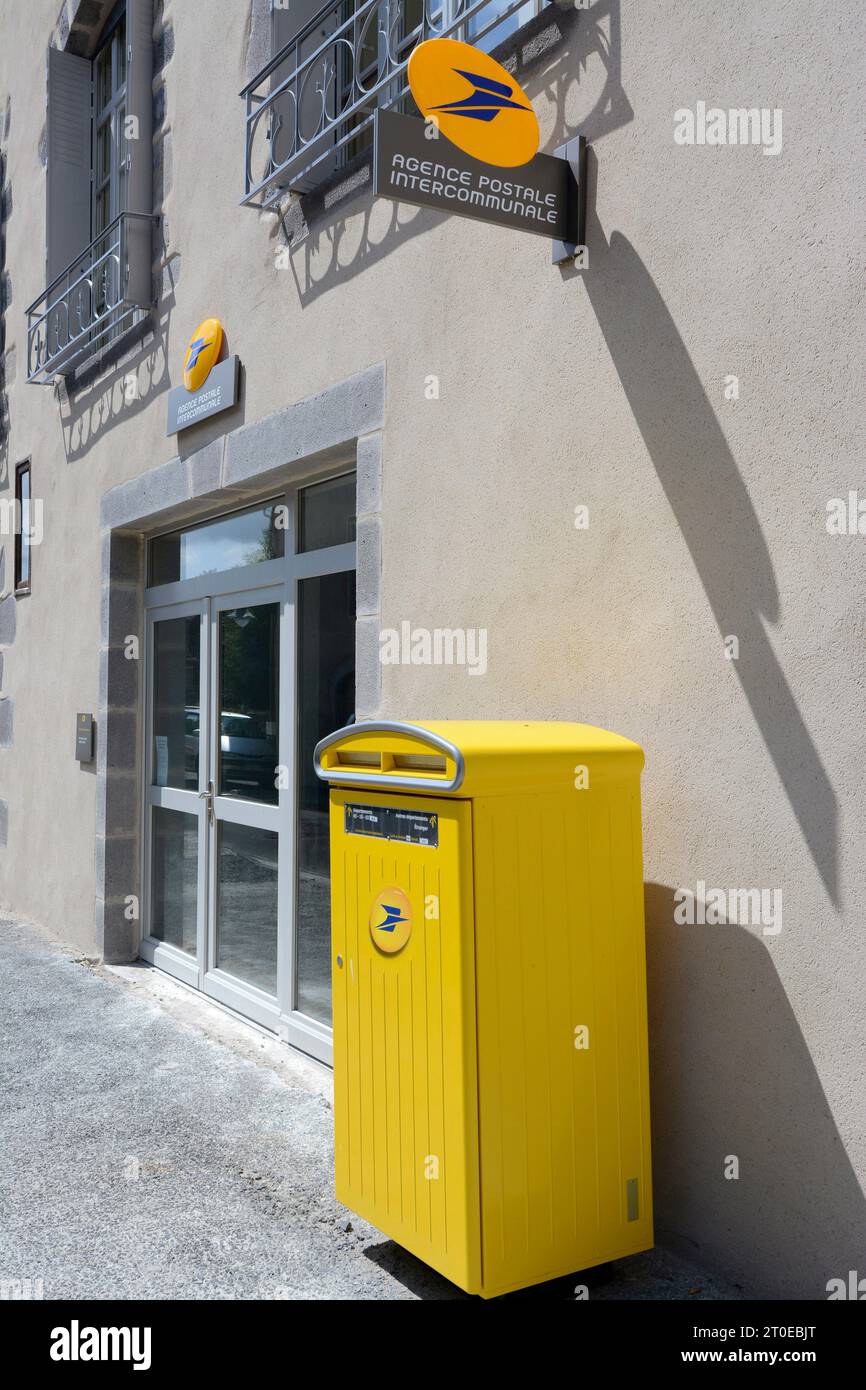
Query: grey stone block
point(117, 871)
point(122, 557)
point(117, 810)
point(120, 614)
point(163, 49)
point(258, 50)
point(146, 496)
point(369, 560)
point(8, 613)
point(62, 31)
point(117, 938)
point(368, 668)
point(163, 174)
point(204, 468)
point(318, 425)
point(119, 680)
point(369, 493)
point(158, 107)
point(4, 824)
point(7, 710)
point(120, 741)
point(88, 19)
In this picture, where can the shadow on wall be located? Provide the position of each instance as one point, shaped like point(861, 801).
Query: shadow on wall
point(714, 512)
point(573, 58)
point(731, 1074)
point(91, 406)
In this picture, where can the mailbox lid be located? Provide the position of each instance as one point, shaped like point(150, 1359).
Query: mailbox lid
point(466, 758)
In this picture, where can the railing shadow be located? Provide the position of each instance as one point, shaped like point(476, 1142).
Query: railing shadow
point(88, 408)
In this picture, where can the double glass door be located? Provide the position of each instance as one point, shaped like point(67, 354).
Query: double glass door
point(214, 789)
point(242, 682)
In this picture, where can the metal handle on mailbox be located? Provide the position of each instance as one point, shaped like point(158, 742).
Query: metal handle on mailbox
point(390, 779)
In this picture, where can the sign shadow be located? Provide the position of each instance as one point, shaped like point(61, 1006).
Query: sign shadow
point(714, 512)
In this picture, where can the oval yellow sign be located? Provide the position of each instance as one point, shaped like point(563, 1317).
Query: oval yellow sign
point(391, 920)
point(203, 352)
point(475, 103)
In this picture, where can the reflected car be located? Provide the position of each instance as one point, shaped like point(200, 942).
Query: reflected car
point(248, 757)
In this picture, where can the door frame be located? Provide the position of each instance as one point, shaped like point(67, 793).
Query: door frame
point(208, 594)
point(160, 953)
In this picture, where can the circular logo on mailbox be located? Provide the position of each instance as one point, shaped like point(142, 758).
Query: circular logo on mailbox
point(475, 102)
point(391, 920)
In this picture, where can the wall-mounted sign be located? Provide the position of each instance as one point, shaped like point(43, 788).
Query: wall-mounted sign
point(208, 384)
point(475, 102)
point(84, 738)
point(544, 196)
point(487, 166)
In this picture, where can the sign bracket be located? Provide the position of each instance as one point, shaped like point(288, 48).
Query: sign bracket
point(574, 153)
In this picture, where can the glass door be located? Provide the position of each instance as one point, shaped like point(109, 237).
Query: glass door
point(245, 819)
point(250, 661)
point(176, 786)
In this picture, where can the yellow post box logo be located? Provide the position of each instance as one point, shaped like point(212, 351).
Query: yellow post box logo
point(391, 920)
point(475, 102)
point(203, 353)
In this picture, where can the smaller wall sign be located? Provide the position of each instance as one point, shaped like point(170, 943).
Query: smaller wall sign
point(209, 385)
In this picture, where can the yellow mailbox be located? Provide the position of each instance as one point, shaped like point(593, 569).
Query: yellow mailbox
point(491, 1091)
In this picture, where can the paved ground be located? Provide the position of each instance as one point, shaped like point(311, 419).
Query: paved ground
point(151, 1147)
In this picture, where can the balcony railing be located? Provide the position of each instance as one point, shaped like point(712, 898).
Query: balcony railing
point(93, 300)
point(312, 107)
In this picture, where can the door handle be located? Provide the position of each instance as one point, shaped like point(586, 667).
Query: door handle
point(208, 796)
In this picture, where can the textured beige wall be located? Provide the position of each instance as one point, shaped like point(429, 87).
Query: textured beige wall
point(707, 519)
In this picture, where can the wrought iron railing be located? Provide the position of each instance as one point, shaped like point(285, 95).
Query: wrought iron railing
point(93, 300)
point(313, 105)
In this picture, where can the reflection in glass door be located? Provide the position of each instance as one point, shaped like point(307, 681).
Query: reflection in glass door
point(251, 660)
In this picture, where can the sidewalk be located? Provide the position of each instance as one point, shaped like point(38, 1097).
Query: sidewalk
point(152, 1147)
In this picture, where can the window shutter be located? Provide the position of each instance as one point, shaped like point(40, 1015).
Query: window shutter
point(139, 196)
point(68, 176)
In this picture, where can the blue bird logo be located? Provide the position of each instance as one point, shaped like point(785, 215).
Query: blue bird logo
point(392, 917)
point(488, 98)
point(195, 351)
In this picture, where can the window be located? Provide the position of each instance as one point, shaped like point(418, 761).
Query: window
point(512, 22)
point(326, 513)
point(23, 528)
point(250, 537)
point(109, 158)
point(99, 195)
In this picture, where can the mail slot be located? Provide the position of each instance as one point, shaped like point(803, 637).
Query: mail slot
point(491, 1090)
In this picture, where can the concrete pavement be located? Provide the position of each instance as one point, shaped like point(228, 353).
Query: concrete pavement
point(153, 1147)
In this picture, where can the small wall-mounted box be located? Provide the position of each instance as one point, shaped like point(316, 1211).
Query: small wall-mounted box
point(84, 738)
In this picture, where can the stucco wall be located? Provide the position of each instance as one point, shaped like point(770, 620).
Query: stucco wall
point(603, 387)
